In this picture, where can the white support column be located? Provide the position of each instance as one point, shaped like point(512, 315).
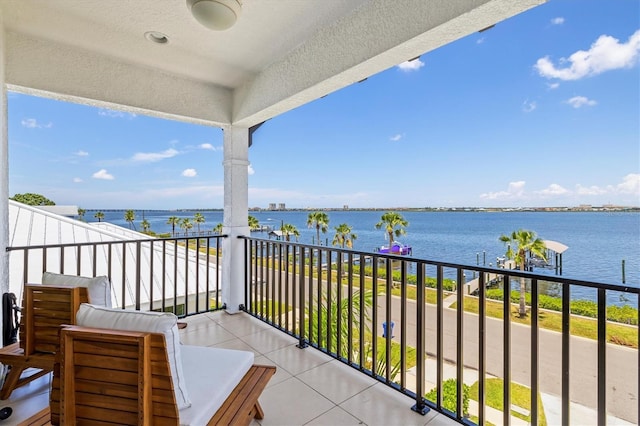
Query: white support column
point(236, 201)
point(4, 174)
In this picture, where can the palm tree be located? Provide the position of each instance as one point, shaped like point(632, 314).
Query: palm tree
point(254, 225)
point(527, 244)
point(186, 224)
point(81, 213)
point(173, 221)
point(289, 229)
point(130, 216)
point(343, 236)
point(99, 216)
point(146, 226)
point(393, 224)
point(198, 218)
point(321, 222)
point(218, 229)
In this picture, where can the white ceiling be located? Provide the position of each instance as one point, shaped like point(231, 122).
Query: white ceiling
point(279, 55)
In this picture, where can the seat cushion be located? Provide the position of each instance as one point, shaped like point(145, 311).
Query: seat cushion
point(211, 375)
point(156, 322)
point(98, 288)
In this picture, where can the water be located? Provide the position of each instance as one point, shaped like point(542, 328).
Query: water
point(597, 241)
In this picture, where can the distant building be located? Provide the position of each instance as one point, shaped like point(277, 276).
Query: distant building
point(281, 206)
point(272, 206)
point(345, 207)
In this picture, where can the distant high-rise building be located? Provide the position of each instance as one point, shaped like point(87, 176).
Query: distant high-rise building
point(272, 206)
point(345, 207)
point(281, 206)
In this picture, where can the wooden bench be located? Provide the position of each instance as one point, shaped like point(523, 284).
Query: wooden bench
point(124, 377)
point(44, 309)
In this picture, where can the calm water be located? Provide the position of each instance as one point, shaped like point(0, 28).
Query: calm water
point(598, 242)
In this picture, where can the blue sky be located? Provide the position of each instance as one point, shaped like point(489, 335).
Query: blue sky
point(541, 110)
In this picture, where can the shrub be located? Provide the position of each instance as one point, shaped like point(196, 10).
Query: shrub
point(449, 396)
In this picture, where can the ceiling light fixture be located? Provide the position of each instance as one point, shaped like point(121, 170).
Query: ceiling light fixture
point(156, 37)
point(216, 15)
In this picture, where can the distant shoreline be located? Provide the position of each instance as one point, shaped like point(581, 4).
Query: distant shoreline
point(584, 209)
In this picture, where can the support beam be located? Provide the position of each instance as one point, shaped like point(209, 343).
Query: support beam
point(236, 202)
point(4, 173)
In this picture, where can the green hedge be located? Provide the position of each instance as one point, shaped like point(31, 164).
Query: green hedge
point(625, 314)
point(450, 395)
point(447, 284)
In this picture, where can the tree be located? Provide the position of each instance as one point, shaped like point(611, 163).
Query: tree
point(288, 230)
point(173, 221)
point(218, 229)
point(146, 226)
point(32, 199)
point(343, 236)
point(254, 225)
point(81, 213)
point(198, 218)
point(393, 224)
point(130, 216)
point(99, 216)
point(527, 244)
point(186, 224)
point(319, 220)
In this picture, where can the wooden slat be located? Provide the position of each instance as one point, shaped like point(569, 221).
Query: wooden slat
point(242, 405)
point(96, 402)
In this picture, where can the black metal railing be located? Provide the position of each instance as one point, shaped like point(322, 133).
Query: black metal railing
point(451, 336)
point(180, 275)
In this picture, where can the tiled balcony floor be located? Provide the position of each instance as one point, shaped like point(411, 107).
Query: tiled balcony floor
point(309, 388)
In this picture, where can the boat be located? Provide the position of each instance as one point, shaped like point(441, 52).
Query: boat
point(396, 248)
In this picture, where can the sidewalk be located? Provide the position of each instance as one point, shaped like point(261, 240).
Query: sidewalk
point(551, 404)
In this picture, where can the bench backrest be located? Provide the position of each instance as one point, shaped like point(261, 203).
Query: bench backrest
point(44, 309)
point(111, 375)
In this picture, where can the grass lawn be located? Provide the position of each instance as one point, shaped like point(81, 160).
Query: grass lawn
point(520, 396)
point(579, 326)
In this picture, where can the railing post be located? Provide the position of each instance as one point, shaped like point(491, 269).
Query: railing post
point(301, 273)
point(506, 350)
point(602, 357)
point(459, 343)
point(420, 406)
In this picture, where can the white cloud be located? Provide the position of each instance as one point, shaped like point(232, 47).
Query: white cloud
point(77, 180)
point(480, 40)
point(189, 173)
point(396, 138)
point(630, 184)
point(514, 190)
point(590, 190)
point(32, 123)
point(529, 106)
point(557, 21)
point(250, 170)
point(580, 101)
point(81, 153)
point(413, 65)
point(606, 54)
point(209, 147)
point(553, 86)
point(102, 174)
point(151, 157)
point(116, 114)
point(553, 190)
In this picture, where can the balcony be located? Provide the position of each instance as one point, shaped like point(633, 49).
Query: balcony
point(347, 354)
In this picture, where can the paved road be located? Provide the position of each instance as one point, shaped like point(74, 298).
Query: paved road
point(622, 362)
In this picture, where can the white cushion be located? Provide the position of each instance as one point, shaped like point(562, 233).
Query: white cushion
point(155, 322)
point(211, 375)
point(98, 288)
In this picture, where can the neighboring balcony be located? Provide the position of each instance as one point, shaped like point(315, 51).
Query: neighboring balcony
point(357, 340)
